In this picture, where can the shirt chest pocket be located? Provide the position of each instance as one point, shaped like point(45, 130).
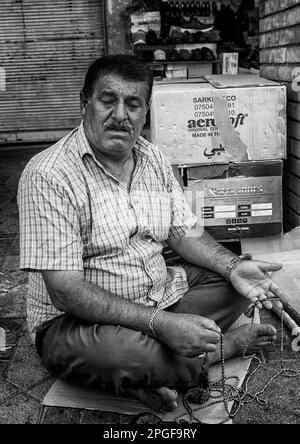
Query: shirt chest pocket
point(154, 215)
point(110, 225)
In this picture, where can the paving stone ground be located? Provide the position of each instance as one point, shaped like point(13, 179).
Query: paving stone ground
point(24, 382)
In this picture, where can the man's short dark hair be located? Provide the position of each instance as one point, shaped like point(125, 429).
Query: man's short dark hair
point(127, 67)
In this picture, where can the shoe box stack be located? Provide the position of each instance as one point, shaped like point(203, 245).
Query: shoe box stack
point(178, 39)
point(226, 142)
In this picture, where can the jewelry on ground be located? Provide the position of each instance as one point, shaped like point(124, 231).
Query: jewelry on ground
point(223, 392)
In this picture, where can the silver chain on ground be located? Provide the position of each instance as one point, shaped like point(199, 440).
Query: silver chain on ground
point(223, 392)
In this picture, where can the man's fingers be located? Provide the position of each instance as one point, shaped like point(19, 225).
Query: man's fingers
point(260, 300)
point(255, 297)
point(208, 324)
point(269, 266)
point(206, 347)
point(210, 337)
point(276, 290)
point(267, 303)
point(209, 348)
point(275, 300)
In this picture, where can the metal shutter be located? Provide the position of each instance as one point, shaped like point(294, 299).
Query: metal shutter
point(45, 49)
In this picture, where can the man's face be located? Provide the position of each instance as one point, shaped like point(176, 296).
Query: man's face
point(114, 115)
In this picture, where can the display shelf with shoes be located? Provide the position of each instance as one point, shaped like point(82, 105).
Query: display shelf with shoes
point(176, 52)
point(179, 61)
point(186, 38)
point(176, 22)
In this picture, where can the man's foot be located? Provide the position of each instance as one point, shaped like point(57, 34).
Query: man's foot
point(236, 341)
point(159, 399)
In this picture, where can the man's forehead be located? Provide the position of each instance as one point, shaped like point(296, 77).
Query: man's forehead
point(117, 85)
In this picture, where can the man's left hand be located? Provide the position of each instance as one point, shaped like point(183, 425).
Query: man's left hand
point(252, 279)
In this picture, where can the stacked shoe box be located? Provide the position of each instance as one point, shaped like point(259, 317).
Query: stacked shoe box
point(226, 141)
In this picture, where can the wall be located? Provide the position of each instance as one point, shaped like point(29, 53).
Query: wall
point(280, 60)
point(117, 27)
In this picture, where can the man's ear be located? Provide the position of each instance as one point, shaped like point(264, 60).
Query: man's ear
point(83, 103)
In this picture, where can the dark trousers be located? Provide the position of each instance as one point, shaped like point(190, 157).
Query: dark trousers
point(115, 358)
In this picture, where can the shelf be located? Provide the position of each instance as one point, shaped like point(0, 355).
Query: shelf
point(181, 62)
point(171, 46)
point(189, 69)
point(147, 52)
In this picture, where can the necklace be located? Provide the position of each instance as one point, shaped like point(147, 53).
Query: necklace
point(223, 392)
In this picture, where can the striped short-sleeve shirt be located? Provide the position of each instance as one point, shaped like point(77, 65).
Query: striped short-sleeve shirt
point(74, 215)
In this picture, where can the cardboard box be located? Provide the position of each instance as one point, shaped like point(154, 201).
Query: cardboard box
point(230, 119)
point(241, 200)
point(189, 70)
point(176, 70)
point(196, 70)
point(230, 63)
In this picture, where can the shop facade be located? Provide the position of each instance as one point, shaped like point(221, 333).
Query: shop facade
point(45, 49)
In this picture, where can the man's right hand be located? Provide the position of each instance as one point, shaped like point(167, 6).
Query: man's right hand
point(186, 334)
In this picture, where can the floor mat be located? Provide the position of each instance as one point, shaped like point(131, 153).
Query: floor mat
point(64, 394)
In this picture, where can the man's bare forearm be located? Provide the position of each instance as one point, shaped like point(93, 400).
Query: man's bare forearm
point(187, 335)
point(70, 293)
point(203, 251)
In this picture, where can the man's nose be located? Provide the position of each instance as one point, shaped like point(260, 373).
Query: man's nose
point(120, 112)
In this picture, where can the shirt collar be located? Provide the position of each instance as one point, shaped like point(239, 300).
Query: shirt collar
point(141, 147)
point(83, 145)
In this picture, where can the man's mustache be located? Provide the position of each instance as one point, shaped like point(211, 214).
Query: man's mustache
point(123, 126)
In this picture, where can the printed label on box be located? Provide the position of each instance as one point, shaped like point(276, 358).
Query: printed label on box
point(246, 199)
point(218, 125)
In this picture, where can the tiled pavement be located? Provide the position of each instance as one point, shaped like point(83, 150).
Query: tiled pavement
point(23, 381)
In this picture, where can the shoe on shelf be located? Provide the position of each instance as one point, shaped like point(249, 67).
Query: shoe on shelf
point(159, 55)
point(139, 38)
point(200, 37)
point(197, 55)
point(214, 8)
point(187, 37)
point(185, 54)
point(151, 37)
point(203, 9)
point(208, 55)
point(176, 36)
point(208, 9)
point(185, 22)
point(172, 55)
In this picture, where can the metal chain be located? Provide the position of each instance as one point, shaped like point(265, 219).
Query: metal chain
point(226, 393)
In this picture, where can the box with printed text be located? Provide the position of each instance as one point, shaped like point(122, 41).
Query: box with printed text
point(239, 200)
point(228, 119)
